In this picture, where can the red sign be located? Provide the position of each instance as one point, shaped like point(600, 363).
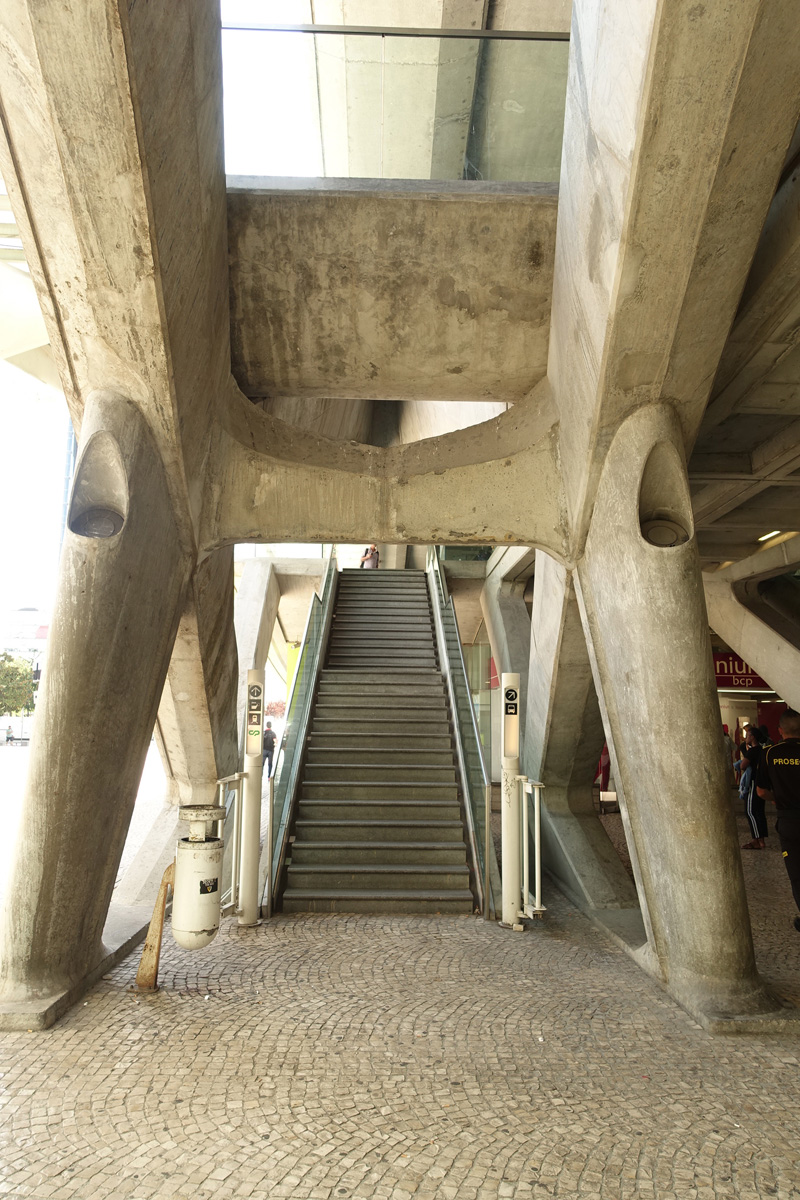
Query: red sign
point(733, 672)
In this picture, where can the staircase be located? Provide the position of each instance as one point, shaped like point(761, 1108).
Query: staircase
point(379, 824)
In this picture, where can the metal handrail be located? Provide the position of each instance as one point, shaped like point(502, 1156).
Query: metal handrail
point(290, 798)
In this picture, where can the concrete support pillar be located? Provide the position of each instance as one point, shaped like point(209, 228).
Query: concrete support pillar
point(507, 621)
point(563, 740)
point(196, 725)
point(642, 603)
point(123, 579)
point(256, 612)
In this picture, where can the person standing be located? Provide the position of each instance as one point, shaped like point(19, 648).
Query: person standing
point(371, 557)
point(778, 779)
point(269, 747)
point(753, 802)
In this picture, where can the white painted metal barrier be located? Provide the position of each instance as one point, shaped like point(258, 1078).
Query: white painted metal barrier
point(531, 905)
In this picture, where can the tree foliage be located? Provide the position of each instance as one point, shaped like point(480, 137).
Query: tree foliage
point(16, 685)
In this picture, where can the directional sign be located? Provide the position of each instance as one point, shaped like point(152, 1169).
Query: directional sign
point(254, 743)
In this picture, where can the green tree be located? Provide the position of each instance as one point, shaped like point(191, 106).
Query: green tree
point(16, 685)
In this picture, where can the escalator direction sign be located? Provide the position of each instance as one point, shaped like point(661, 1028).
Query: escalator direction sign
point(255, 718)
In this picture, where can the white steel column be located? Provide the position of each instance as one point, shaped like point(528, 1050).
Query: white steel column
point(510, 811)
point(251, 797)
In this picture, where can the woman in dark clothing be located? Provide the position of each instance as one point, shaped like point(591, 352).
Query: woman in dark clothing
point(754, 804)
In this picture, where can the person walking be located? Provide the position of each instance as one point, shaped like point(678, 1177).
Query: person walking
point(778, 780)
point(371, 557)
point(269, 747)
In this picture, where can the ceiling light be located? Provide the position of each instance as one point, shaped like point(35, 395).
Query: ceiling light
point(764, 537)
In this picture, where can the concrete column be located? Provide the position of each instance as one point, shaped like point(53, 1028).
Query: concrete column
point(642, 602)
point(119, 599)
point(256, 611)
point(196, 725)
point(563, 740)
point(507, 621)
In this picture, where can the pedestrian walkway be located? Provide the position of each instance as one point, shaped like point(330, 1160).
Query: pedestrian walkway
point(321, 1057)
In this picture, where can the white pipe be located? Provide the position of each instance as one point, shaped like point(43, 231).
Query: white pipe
point(510, 840)
point(524, 789)
point(510, 813)
point(270, 822)
point(249, 900)
point(537, 843)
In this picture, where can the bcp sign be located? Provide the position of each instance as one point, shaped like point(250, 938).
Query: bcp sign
point(733, 672)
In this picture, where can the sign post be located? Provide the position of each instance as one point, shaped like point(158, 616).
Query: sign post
point(251, 800)
point(510, 808)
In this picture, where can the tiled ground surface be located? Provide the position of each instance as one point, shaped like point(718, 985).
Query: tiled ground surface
point(321, 1058)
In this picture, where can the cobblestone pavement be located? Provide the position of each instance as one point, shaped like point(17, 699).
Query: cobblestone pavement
point(325, 1057)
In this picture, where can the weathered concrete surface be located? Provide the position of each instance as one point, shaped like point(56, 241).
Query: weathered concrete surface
point(563, 740)
point(257, 601)
point(677, 803)
point(274, 483)
point(343, 289)
point(508, 622)
point(116, 177)
point(116, 613)
point(667, 176)
point(196, 724)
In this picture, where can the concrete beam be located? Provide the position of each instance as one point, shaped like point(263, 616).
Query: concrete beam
point(407, 291)
point(272, 483)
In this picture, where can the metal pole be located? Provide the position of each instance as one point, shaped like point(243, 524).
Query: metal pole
point(537, 844)
point(509, 686)
point(270, 822)
point(524, 789)
point(251, 806)
point(486, 848)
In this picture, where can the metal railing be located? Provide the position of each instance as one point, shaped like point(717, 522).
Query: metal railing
point(286, 775)
point(475, 782)
point(231, 784)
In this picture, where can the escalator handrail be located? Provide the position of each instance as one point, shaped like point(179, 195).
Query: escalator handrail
point(449, 604)
point(290, 800)
point(483, 879)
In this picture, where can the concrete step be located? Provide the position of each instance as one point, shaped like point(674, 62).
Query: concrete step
point(378, 618)
point(350, 727)
point(355, 876)
point(387, 790)
point(367, 676)
point(367, 808)
point(385, 901)
point(358, 710)
point(403, 757)
point(378, 771)
point(374, 702)
point(397, 742)
point(391, 830)
point(431, 687)
point(379, 853)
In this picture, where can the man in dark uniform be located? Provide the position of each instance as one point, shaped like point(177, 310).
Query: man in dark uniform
point(269, 748)
point(778, 779)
